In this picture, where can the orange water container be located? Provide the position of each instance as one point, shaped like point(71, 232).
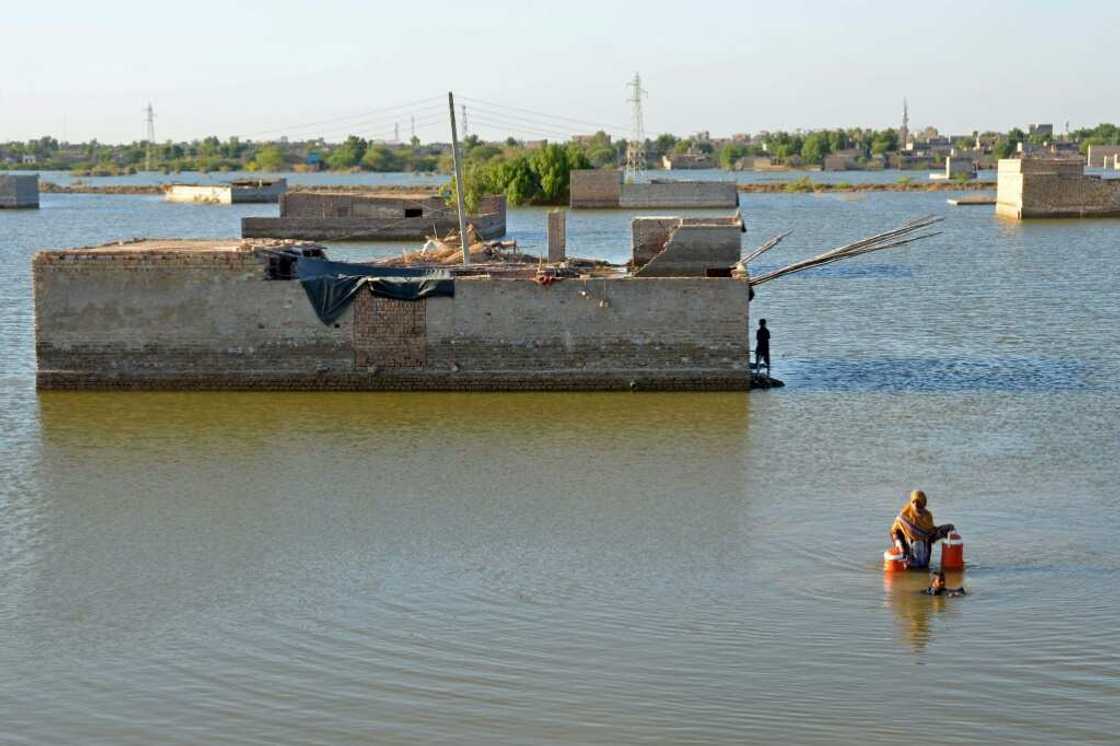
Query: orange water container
point(952, 552)
point(894, 560)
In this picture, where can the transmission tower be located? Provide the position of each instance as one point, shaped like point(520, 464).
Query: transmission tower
point(466, 131)
point(396, 132)
point(149, 135)
point(636, 148)
point(412, 128)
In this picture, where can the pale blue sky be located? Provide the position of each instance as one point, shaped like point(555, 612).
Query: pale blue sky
point(263, 69)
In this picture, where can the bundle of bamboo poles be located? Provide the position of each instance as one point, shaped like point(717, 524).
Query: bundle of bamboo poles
point(905, 234)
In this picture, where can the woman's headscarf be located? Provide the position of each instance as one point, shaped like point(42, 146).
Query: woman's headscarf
point(915, 522)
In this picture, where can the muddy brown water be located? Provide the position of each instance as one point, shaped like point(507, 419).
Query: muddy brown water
point(575, 568)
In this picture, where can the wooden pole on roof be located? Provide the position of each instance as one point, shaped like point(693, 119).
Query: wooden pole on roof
point(458, 161)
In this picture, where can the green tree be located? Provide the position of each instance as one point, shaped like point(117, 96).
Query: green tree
point(664, 144)
point(552, 169)
point(815, 147)
point(518, 180)
point(269, 158)
point(1003, 148)
point(730, 153)
point(348, 154)
point(682, 146)
point(602, 156)
point(483, 152)
point(382, 158)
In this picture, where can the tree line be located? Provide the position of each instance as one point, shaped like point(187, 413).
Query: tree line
point(517, 162)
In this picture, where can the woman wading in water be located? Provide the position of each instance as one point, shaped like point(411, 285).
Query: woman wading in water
point(914, 532)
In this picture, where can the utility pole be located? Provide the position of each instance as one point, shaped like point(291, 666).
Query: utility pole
point(636, 148)
point(412, 128)
point(396, 132)
point(457, 160)
point(150, 136)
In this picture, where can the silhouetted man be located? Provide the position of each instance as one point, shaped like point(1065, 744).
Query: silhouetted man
point(762, 346)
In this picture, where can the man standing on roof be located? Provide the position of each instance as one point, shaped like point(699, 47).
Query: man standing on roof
point(762, 346)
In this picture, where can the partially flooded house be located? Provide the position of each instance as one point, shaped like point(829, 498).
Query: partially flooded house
point(247, 314)
point(603, 188)
point(19, 191)
point(240, 191)
point(1053, 188)
point(372, 216)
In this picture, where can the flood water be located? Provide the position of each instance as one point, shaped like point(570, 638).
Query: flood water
point(578, 568)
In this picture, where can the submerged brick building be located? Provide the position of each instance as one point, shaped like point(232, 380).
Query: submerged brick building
point(606, 189)
point(19, 191)
point(1053, 188)
point(372, 216)
point(233, 315)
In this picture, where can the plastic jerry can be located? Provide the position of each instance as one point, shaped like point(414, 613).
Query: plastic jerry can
point(894, 560)
point(952, 552)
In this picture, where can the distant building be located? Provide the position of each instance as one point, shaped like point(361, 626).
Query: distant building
point(753, 163)
point(686, 161)
point(230, 193)
point(957, 167)
point(1040, 130)
point(1102, 156)
point(589, 139)
point(841, 160)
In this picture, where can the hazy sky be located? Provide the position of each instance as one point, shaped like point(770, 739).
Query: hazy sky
point(533, 69)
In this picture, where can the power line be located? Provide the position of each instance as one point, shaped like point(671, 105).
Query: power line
point(363, 115)
point(581, 122)
point(510, 128)
point(516, 119)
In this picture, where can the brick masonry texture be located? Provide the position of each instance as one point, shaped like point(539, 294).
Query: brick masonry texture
point(605, 189)
point(19, 190)
point(389, 333)
point(1050, 188)
point(595, 188)
point(326, 216)
point(201, 315)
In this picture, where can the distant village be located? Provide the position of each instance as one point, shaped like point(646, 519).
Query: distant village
point(826, 149)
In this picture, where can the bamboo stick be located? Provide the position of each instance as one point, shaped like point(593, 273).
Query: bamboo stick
point(880, 241)
point(770, 243)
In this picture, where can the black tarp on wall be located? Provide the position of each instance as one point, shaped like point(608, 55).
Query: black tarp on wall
point(332, 286)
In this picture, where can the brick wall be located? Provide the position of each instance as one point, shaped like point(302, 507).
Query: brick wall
point(1102, 156)
point(338, 216)
point(595, 188)
point(389, 333)
point(1050, 188)
point(680, 194)
point(649, 236)
point(692, 250)
point(557, 235)
point(206, 318)
point(19, 190)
